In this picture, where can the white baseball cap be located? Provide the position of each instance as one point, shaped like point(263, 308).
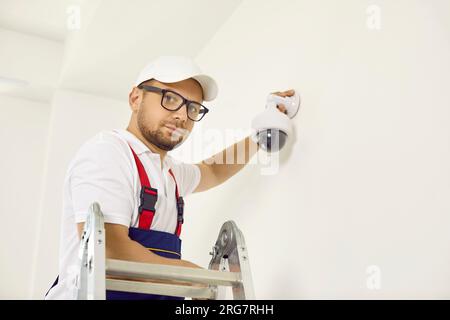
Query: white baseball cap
point(170, 69)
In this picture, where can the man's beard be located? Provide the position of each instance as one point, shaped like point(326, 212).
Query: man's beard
point(157, 137)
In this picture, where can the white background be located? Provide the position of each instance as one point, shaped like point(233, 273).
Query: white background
point(364, 182)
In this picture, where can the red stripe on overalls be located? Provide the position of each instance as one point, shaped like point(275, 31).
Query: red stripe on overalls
point(179, 223)
point(146, 217)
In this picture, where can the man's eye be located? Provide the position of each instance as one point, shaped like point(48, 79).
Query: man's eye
point(169, 98)
point(194, 108)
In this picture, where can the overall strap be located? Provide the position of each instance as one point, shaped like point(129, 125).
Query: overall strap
point(149, 196)
point(180, 206)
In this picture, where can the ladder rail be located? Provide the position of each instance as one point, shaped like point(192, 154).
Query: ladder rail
point(161, 289)
point(166, 272)
point(230, 253)
point(229, 266)
point(91, 281)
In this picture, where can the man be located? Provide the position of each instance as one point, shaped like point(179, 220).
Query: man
point(139, 187)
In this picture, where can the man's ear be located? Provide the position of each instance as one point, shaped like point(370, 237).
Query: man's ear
point(134, 99)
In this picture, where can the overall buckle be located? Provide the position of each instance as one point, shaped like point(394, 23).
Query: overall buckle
point(149, 196)
point(180, 209)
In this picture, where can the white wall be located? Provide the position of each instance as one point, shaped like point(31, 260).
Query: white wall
point(32, 59)
point(367, 181)
point(23, 132)
point(75, 118)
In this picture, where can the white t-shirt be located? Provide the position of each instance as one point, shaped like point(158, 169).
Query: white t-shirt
point(104, 171)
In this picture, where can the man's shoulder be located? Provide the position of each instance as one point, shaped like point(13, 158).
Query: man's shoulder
point(106, 145)
point(108, 138)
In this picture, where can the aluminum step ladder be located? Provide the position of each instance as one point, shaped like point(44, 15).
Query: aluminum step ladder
point(229, 267)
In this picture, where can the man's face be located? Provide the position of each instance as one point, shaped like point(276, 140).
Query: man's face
point(152, 118)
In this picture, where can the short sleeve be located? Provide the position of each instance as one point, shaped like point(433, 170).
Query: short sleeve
point(187, 175)
point(101, 172)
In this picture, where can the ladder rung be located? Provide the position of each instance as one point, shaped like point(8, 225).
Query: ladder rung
point(129, 269)
point(160, 289)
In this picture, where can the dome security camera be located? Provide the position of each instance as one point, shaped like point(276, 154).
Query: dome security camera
point(271, 140)
point(272, 127)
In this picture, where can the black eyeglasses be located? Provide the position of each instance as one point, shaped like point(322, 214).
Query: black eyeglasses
point(173, 101)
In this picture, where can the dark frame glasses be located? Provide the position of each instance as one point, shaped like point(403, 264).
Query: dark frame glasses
point(203, 109)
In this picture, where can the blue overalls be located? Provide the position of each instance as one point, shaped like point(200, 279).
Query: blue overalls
point(161, 243)
point(164, 244)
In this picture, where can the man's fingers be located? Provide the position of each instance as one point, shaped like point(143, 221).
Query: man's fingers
point(282, 108)
point(287, 93)
point(283, 94)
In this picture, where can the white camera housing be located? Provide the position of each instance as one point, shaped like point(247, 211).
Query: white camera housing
point(271, 128)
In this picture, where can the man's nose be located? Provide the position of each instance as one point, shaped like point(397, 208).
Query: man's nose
point(181, 114)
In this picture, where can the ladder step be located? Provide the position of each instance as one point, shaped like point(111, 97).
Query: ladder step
point(131, 269)
point(160, 289)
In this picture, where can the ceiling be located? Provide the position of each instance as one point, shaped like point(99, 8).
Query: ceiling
point(103, 53)
point(43, 18)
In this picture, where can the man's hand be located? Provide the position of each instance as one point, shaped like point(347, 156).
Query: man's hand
point(288, 93)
